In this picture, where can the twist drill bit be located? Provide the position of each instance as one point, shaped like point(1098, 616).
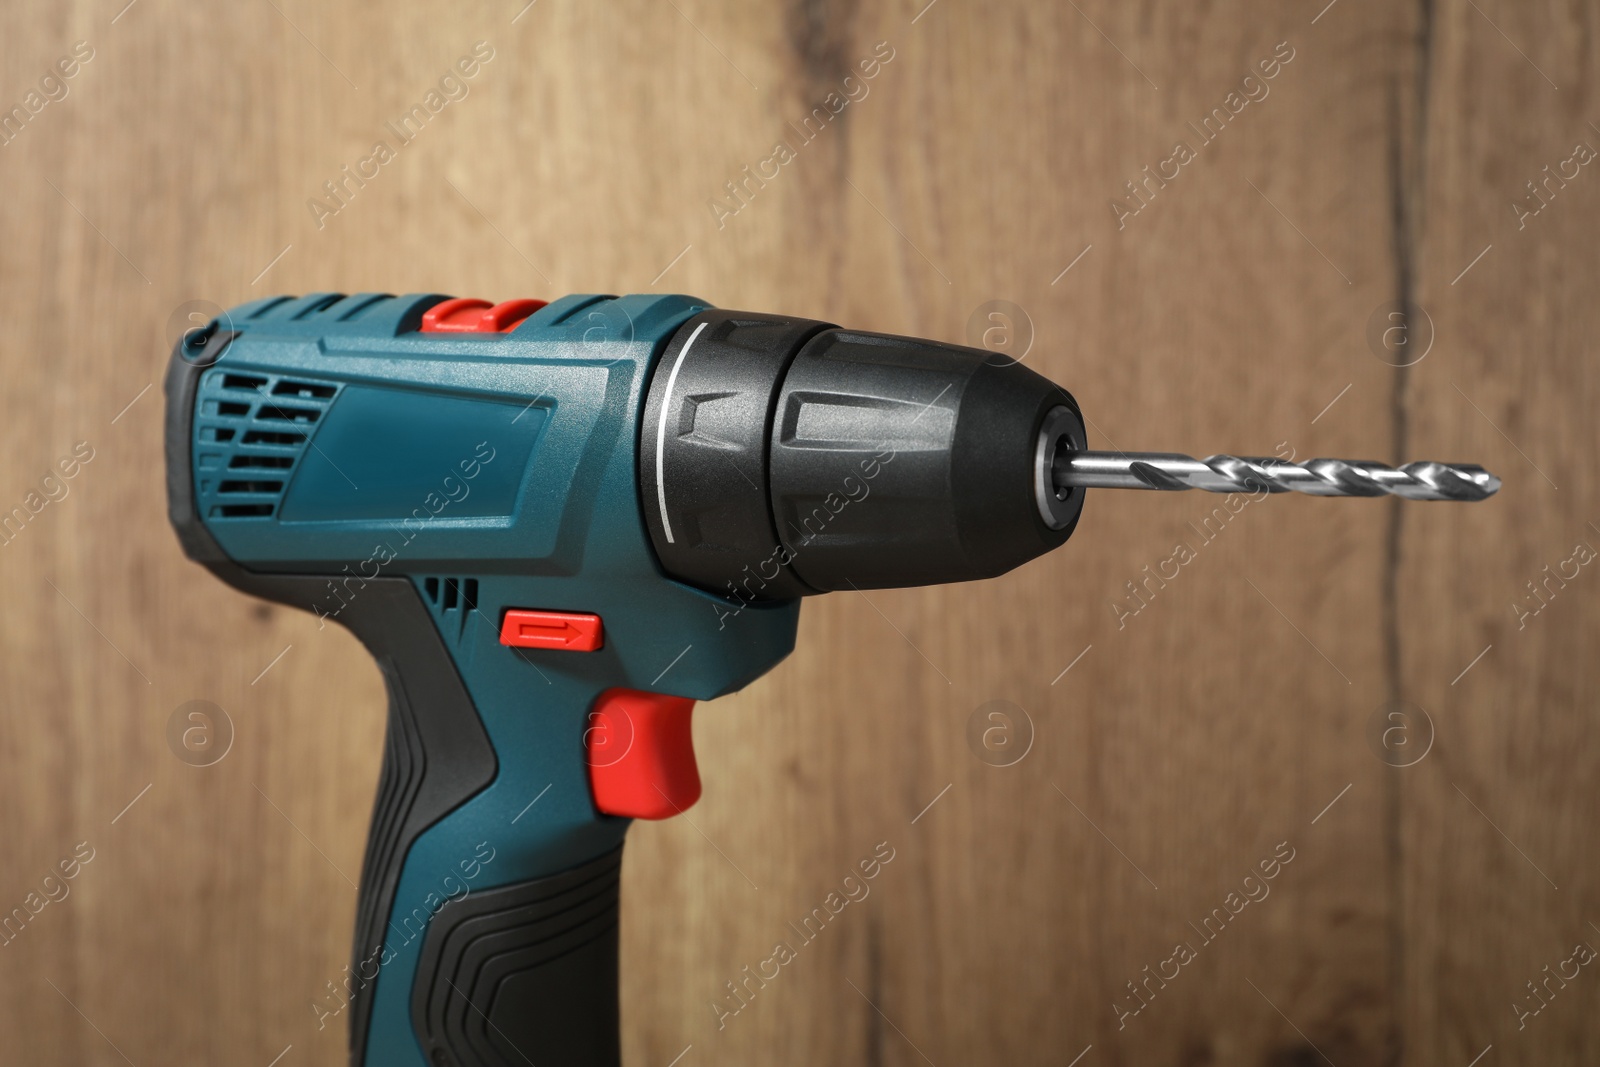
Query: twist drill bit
point(1246, 474)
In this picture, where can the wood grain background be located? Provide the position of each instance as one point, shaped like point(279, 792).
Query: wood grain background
point(1186, 743)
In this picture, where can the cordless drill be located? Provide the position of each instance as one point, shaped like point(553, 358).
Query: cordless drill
point(556, 526)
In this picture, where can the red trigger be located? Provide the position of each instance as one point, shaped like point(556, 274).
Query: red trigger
point(640, 753)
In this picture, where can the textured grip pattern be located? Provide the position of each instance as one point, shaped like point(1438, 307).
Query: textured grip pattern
point(403, 765)
point(526, 973)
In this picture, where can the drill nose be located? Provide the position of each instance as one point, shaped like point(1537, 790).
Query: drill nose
point(781, 458)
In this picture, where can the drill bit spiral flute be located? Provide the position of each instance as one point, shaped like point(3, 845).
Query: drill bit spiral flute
point(1232, 474)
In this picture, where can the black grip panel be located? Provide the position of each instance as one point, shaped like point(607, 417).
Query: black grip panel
point(437, 754)
point(525, 973)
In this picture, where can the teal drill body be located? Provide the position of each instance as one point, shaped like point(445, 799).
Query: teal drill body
point(335, 444)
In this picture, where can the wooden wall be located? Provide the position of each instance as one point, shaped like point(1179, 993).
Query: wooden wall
point(1234, 720)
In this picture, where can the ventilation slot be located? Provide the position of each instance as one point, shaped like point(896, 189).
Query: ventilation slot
point(262, 462)
point(267, 437)
point(231, 408)
point(237, 486)
point(461, 593)
point(243, 381)
point(269, 305)
point(303, 390)
point(242, 511)
point(454, 598)
point(360, 307)
point(281, 414)
point(318, 305)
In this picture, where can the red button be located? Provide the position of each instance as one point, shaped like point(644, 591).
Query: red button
point(640, 753)
point(569, 631)
point(465, 314)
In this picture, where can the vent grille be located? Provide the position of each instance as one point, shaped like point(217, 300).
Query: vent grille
point(250, 432)
point(453, 599)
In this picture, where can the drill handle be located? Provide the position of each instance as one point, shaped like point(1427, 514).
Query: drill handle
point(486, 924)
point(480, 934)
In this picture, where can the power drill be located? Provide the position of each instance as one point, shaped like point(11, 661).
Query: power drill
point(558, 525)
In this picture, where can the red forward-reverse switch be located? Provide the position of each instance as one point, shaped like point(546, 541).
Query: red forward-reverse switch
point(640, 752)
point(567, 631)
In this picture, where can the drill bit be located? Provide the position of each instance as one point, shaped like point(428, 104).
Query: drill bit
point(1236, 474)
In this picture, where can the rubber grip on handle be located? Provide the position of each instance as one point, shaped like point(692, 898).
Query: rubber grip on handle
point(511, 973)
point(436, 755)
point(525, 973)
